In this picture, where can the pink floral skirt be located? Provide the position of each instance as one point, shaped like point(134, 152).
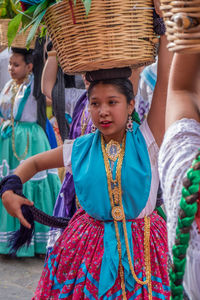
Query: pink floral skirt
point(72, 269)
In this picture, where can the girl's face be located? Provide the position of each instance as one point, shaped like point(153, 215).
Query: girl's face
point(109, 111)
point(17, 67)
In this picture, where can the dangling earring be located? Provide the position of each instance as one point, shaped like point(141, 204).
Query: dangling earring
point(129, 124)
point(93, 128)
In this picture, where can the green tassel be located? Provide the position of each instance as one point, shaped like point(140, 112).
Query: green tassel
point(136, 117)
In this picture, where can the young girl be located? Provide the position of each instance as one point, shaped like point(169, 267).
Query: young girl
point(115, 246)
point(20, 138)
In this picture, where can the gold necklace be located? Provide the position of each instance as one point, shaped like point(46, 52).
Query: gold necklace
point(113, 150)
point(14, 89)
point(119, 215)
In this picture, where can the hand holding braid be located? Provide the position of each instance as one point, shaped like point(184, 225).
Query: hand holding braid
point(188, 209)
point(18, 206)
point(12, 197)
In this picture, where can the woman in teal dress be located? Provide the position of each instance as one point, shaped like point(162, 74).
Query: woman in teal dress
point(20, 138)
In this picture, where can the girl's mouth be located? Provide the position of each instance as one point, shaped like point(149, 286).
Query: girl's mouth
point(105, 124)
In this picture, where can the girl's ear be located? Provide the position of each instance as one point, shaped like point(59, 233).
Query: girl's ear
point(30, 67)
point(131, 106)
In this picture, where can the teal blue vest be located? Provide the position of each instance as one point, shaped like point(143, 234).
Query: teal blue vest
point(92, 191)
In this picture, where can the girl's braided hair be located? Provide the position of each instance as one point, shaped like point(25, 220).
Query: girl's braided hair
point(188, 209)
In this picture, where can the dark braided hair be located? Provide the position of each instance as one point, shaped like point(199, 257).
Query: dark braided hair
point(124, 86)
point(37, 71)
point(58, 104)
point(187, 212)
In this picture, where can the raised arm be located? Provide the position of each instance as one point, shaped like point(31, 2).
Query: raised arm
point(49, 74)
point(183, 92)
point(43, 161)
point(156, 116)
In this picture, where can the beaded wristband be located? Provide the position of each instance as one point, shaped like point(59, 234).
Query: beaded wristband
point(187, 212)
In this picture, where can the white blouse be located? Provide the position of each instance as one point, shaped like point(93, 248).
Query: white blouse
point(180, 144)
point(153, 154)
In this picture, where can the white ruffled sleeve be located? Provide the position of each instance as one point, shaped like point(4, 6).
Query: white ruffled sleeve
point(67, 153)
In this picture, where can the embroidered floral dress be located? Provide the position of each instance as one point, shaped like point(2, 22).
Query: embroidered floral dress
point(29, 139)
point(84, 262)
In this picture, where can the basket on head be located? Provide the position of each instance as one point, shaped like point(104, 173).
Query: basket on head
point(116, 33)
point(20, 39)
point(182, 19)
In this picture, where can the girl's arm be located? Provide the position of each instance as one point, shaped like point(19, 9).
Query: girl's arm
point(49, 75)
point(156, 116)
point(183, 92)
point(43, 161)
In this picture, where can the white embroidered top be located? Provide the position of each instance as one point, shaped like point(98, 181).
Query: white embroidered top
point(153, 154)
point(28, 111)
point(181, 142)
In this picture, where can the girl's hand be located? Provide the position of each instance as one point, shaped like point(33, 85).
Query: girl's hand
point(13, 203)
point(157, 7)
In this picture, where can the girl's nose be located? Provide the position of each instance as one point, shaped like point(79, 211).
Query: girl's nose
point(103, 110)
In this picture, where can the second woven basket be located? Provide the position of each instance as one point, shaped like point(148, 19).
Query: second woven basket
point(182, 20)
point(20, 39)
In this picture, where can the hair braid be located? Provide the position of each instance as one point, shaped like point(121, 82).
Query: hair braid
point(188, 209)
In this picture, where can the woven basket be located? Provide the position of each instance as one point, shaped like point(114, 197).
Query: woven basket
point(182, 19)
point(116, 33)
point(20, 39)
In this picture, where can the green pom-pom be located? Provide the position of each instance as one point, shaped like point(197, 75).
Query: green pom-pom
point(176, 290)
point(189, 209)
point(185, 192)
point(180, 297)
point(179, 249)
point(186, 222)
point(194, 176)
point(179, 264)
point(194, 188)
point(184, 238)
point(175, 275)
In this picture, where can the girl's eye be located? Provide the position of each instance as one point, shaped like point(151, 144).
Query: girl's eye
point(112, 102)
point(93, 103)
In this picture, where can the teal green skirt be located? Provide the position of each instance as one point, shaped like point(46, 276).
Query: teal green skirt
point(42, 189)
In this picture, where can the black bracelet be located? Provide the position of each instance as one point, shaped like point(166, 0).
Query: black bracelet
point(12, 183)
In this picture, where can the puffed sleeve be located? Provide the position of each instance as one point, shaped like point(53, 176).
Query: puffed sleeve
point(67, 153)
